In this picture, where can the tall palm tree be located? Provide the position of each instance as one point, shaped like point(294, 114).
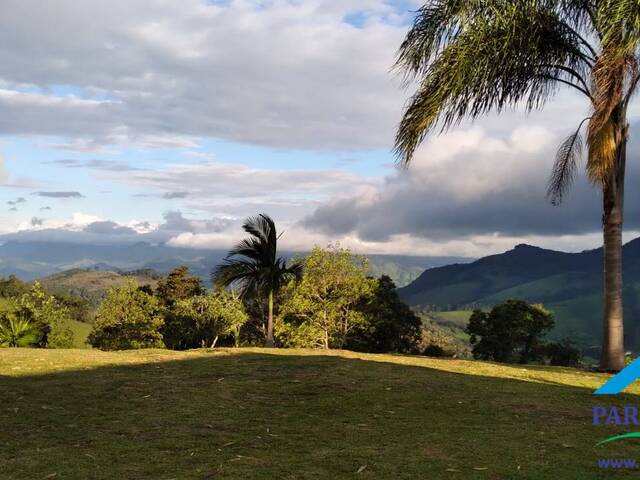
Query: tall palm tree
point(258, 270)
point(471, 57)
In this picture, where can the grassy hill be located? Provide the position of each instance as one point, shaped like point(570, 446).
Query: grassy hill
point(92, 285)
point(569, 284)
point(295, 414)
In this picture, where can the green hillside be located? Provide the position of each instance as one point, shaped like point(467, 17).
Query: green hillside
point(92, 285)
point(569, 284)
point(258, 414)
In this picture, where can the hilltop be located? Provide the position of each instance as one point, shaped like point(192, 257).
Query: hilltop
point(92, 284)
point(570, 284)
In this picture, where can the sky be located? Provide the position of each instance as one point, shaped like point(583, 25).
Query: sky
point(171, 122)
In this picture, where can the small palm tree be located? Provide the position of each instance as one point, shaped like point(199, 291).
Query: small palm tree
point(475, 56)
point(253, 266)
point(16, 332)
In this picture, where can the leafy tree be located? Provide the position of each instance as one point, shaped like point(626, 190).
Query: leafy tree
point(476, 56)
point(254, 267)
point(511, 331)
point(17, 332)
point(326, 306)
point(178, 285)
point(127, 318)
point(47, 315)
point(199, 321)
point(390, 325)
point(12, 287)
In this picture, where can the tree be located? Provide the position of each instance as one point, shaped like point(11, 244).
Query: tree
point(512, 331)
point(17, 332)
point(199, 321)
point(254, 267)
point(389, 326)
point(476, 56)
point(326, 306)
point(47, 315)
point(178, 285)
point(12, 287)
point(127, 318)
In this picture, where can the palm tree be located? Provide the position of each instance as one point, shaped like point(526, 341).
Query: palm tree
point(17, 333)
point(471, 57)
point(258, 271)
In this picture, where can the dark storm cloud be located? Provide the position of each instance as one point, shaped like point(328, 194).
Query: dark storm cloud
point(456, 198)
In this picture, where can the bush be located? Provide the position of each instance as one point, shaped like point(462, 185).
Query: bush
point(435, 351)
point(563, 353)
point(16, 332)
point(127, 318)
point(200, 321)
point(47, 315)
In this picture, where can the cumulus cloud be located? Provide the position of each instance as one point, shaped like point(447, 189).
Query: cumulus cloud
point(107, 227)
point(299, 75)
point(471, 184)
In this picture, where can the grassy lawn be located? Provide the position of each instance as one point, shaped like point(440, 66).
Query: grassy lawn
point(295, 414)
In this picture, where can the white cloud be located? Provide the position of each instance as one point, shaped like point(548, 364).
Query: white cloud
point(284, 74)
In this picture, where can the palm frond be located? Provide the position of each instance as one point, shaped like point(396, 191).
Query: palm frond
point(485, 56)
point(565, 166)
point(252, 266)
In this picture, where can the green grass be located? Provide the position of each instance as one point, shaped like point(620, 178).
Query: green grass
point(295, 414)
point(459, 318)
point(80, 331)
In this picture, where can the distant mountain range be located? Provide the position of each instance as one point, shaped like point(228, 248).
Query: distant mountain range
point(32, 260)
point(569, 284)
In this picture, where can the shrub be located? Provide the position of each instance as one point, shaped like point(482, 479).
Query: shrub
point(47, 315)
point(16, 332)
point(127, 318)
point(563, 353)
point(435, 351)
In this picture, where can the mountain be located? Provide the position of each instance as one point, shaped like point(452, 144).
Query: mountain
point(92, 284)
point(569, 284)
point(31, 260)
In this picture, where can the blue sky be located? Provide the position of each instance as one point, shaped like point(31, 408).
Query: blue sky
point(173, 121)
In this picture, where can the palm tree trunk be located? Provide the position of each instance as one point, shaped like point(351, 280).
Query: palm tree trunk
point(270, 343)
point(612, 356)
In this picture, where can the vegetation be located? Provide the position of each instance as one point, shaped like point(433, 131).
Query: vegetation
point(201, 320)
point(325, 308)
point(510, 332)
point(178, 285)
point(254, 267)
point(264, 413)
point(475, 57)
point(128, 318)
point(18, 332)
point(390, 325)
